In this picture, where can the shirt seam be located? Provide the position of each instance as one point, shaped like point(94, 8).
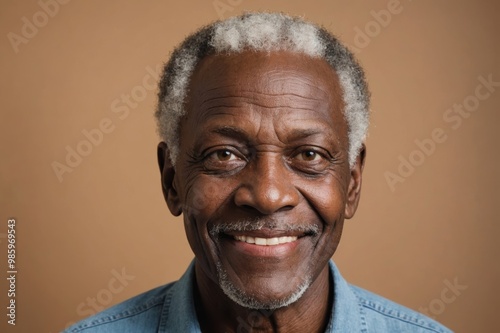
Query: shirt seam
point(165, 311)
point(362, 315)
point(397, 315)
point(121, 315)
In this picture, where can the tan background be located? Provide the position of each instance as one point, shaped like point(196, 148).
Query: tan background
point(440, 224)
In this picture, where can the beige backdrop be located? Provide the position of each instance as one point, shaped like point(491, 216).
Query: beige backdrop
point(428, 217)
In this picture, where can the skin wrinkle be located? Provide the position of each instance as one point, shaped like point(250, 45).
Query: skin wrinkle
point(271, 77)
point(271, 183)
point(257, 105)
point(204, 117)
point(274, 74)
point(206, 114)
point(297, 135)
point(249, 99)
point(252, 92)
point(282, 33)
point(309, 83)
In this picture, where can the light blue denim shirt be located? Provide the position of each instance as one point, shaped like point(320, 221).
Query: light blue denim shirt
point(171, 308)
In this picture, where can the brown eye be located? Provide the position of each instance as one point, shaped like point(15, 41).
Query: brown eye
point(310, 160)
point(225, 155)
point(223, 160)
point(309, 156)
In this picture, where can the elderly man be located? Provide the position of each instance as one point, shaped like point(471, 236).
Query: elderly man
point(263, 119)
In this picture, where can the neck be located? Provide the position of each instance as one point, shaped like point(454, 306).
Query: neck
point(217, 313)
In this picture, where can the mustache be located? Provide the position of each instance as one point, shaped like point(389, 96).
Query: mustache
point(260, 223)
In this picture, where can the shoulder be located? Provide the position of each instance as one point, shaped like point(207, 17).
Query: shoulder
point(384, 315)
point(138, 314)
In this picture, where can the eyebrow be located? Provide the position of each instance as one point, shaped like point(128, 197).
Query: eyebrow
point(231, 132)
point(302, 133)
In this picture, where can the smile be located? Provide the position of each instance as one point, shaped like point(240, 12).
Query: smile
point(266, 241)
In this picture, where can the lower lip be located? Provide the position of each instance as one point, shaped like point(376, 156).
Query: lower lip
point(279, 250)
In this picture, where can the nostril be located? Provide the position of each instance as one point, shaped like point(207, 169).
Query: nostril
point(262, 203)
point(246, 207)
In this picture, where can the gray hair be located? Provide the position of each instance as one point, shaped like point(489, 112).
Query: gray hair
point(261, 32)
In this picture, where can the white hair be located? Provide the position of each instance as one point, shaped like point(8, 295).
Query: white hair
point(262, 32)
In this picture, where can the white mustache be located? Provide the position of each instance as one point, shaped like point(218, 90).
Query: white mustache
point(259, 224)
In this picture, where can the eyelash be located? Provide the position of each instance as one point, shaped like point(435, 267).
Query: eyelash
point(224, 151)
point(235, 162)
point(212, 163)
point(309, 150)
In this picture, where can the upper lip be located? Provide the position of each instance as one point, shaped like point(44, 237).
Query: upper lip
point(268, 233)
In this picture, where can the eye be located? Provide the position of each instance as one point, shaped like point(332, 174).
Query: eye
point(224, 155)
point(223, 160)
point(311, 160)
point(309, 156)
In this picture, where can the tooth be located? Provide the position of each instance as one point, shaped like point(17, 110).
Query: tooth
point(266, 241)
point(260, 241)
point(250, 240)
point(272, 241)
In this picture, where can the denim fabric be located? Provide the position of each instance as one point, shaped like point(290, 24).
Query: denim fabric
point(170, 308)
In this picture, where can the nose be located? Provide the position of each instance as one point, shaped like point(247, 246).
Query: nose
point(267, 186)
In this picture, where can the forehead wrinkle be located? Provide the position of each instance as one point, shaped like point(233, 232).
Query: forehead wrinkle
point(260, 100)
point(252, 112)
point(293, 81)
point(250, 92)
point(268, 133)
point(281, 85)
point(246, 95)
point(274, 121)
point(297, 87)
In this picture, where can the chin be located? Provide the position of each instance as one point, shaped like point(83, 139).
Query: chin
point(269, 295)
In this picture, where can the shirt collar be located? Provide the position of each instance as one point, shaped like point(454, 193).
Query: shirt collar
point(179, 313)
point(346, 315)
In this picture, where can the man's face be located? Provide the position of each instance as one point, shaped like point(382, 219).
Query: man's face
point(262, 176)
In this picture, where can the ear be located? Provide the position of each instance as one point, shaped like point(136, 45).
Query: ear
point(354, 189)
point(167, 180)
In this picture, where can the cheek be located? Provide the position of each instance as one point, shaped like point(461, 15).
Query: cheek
point(205, 195)
point(328, 198)
point(202, 199)
point(330, 203)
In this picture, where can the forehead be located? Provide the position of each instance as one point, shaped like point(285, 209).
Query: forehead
point(279, 85)
point(270, 71)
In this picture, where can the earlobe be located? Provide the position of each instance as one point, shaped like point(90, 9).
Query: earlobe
point(354, 188)
point(167, 172)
